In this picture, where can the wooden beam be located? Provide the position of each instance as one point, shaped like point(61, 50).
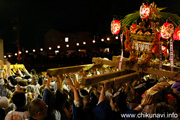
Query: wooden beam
point(122, 79)
point(165, 66)
point(158, 93)
point(70, 69)
point(106, 62)
point(86, 81)
point(137, 68)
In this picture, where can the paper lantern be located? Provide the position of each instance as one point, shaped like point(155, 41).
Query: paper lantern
point(115, 27)
point(167, 30)
point(176, 35)
point(144, 11)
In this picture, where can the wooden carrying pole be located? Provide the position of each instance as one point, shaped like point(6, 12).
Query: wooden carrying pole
point(118, 76)
point(172, 75)
point(163, 88)
point(71, 69)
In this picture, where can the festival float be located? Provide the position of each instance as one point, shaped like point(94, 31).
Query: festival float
point(148, 36)
point(149, 43)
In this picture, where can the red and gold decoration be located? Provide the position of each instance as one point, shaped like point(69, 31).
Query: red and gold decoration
point(144, 11)
point(176, 35)
point(167, 30)
point(115, 27)
point(149, 42)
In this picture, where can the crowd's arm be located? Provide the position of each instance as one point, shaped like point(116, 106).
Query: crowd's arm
point(43, 97)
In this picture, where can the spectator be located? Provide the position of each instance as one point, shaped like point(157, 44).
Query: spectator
point(3, 104)
point(21, 112)
point(38, 110)
point(82, 107)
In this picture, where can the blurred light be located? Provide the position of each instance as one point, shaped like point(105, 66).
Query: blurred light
point(116, 37)
point(56, 52)
point(9, 56)
point(66, 39)
point(50, 48)
point(108, 38)
point(20, 52)
point(106, 50)
point(93, 41)
point(84, 43)
point(41, 49)
point(27, 51)
point(4, 56)
point(58, 46)
point(102, 40)
point(67, 45)
point(77, 44)
point(15, 54)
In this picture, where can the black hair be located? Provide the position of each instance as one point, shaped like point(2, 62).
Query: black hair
point(12, 80)
point(120, 101)
point(19, 99)
point(23, 83)
point(83, 92)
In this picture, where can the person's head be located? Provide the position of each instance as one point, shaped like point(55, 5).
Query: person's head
point(4, 103)
point(34, 80)
point(85, 98)
point(21, 85)
point(164, 108)
point(19, 99)
point(38, 109)
point(138, 91)
point(1, 81)
point(12, 82)
point(120, 102)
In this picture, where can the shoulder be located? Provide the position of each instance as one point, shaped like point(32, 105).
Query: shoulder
point(9, 115)
point(25, 113)
point(18, 115)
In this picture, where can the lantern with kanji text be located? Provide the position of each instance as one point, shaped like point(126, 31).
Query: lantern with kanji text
point(167, 30)
point(144, 11)
point(115, 27)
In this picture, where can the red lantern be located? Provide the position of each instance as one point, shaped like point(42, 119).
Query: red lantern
point(115, 26)
point(167, 30)
point(144, 11)
point(176, 35)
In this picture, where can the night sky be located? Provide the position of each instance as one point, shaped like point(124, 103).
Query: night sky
point(36, 17)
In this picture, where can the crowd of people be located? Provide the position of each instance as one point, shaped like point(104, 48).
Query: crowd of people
point(32, 96)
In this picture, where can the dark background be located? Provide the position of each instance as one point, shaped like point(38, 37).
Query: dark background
point(35, 17)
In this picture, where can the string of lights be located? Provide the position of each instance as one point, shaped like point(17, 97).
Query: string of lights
point(58, 47)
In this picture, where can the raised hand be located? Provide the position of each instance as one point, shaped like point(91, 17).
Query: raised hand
point(69, 81)
point(146, 100)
